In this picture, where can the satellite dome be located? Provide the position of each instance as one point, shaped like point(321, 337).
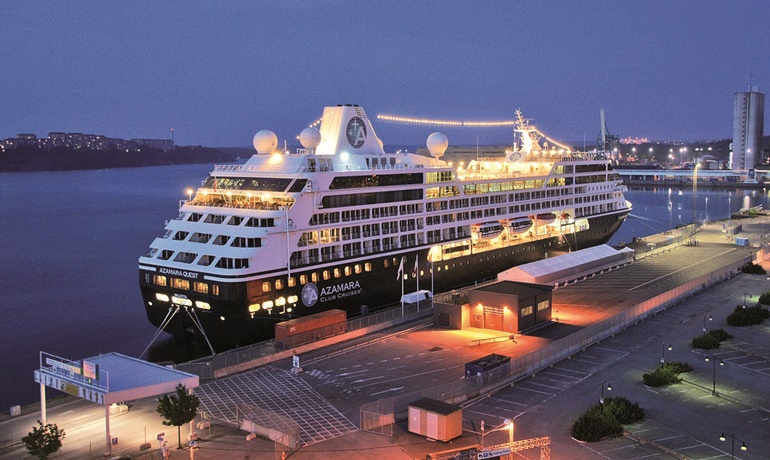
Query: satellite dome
point(310, 138)
point(265, 141)
point(437, 144)
point(379, 141)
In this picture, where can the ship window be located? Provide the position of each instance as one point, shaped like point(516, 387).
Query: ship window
point(235, 220)
point(278, 284)
point(221, 240)
point(326, 275)
point(241, 242)
point(177, 283)
point(357, 268)
point(291, 281)
point(386, 263)
point(159, 280)
point(200, 237)
point(368, 266)
point(266, 286)
point(166, 254)
point(314, 277)
point(214, 219)
point(194, 217)
point(185, 257)
point(303, 279)
point(542, 305)
point(526, 311)
point(348, 270)
point(214, 289)
point(337, 273)
point(206, 260)
point(199, 287)
point(179, 236)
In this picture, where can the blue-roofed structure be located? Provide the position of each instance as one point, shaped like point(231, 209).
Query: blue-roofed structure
point(108, 379)
point(132, 378)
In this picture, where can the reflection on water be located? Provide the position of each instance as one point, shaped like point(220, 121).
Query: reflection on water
point(662, 208)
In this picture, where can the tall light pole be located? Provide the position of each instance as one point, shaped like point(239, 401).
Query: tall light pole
point(609, 388)
point(508, 423)
point(704, 321)
point(743, 447)
point(713, 360)
point(666, 346)
point(694, 198)
point(189, 194)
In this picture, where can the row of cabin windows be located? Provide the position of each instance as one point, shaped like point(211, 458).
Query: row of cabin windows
point(481, 201)
point(182, 284)
point(220, 240)
point(233, 220)
point(328, 218)
point(205, 260)
point(314, 277)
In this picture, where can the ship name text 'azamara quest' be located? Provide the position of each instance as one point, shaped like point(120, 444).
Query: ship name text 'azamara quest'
point(342, 224)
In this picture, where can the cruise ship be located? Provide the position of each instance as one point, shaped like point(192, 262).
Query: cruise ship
point(342, 224)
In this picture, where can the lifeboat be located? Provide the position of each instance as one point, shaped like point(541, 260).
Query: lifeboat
point(487, 230)
point(546, 218)
point(519, 225)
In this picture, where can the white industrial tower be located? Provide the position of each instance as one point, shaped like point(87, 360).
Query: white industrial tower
point(748, 128)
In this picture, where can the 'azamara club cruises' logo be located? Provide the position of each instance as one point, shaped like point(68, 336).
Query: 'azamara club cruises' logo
point(356, 132)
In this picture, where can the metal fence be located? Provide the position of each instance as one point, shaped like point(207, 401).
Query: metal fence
point(207, 366)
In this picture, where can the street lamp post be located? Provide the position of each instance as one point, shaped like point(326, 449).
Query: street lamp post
point(508, 423)
point(704, 321)
point(713, 360)
point(609, 388)
point(743, 447)
point(666, 346)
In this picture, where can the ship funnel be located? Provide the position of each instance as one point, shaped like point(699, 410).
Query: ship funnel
point(346, 128)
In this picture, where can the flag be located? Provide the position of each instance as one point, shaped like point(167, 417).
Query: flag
point(416, 266)
point(400, 269)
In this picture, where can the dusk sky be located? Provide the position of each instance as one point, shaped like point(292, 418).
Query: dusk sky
point(218, 72)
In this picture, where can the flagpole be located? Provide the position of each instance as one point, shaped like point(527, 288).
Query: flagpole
point(431, 284)
point(417, 270)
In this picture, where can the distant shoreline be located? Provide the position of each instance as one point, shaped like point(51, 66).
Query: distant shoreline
point(63, 159)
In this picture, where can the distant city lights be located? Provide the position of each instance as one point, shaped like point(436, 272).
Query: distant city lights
point(635, 140)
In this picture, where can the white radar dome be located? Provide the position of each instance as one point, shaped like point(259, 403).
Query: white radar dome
point(265, 141)
point(310, 138)
point(437, 144)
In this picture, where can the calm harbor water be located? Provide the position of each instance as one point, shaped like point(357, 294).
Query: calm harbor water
point(72, 240)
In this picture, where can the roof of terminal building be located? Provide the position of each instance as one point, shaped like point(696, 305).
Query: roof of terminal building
point(547, 271)
point(133, 378)
point(515, 287)
point(569, 260)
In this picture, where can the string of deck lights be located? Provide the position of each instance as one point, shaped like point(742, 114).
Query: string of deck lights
point(427, 121)
point(478, 124)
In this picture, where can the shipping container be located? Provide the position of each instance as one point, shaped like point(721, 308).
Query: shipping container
point(309, 328)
